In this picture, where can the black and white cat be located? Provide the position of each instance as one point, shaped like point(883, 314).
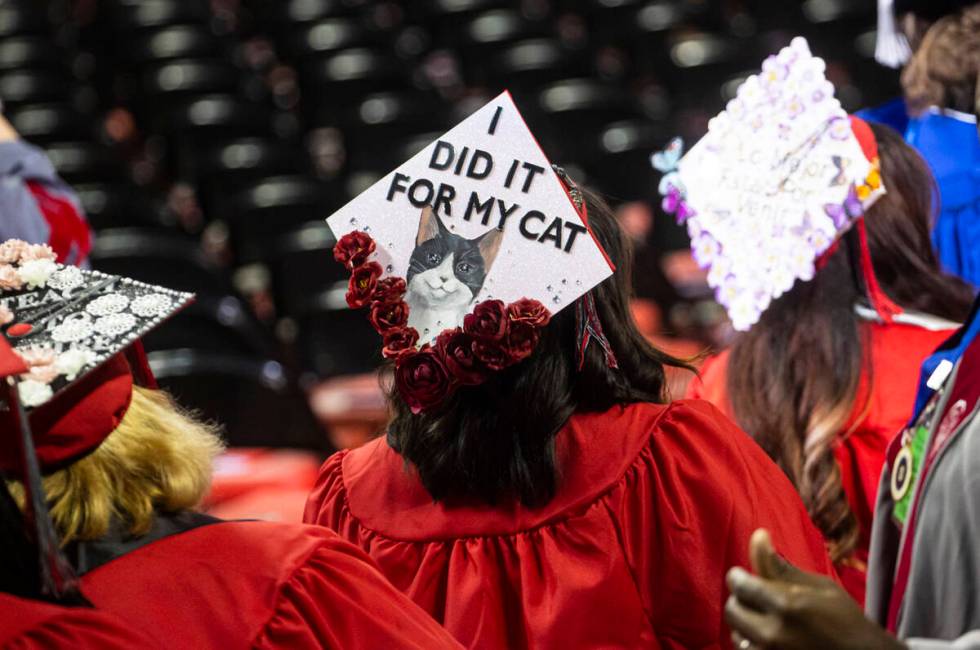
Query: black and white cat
point(445, 274)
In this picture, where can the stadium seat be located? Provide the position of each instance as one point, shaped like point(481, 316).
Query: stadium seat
point(176, 42)
point(118, 205)
point(22, 18)
point(254, 399)
point(50, 122)
point(82, 162)
point(31, 52)
point(155, 14)
point(34, 86)
point(270, 206)
point(169, 259)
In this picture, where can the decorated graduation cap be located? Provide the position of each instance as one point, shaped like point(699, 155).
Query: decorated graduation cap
point(69, 355)
point(463, 253)
point(782, 173)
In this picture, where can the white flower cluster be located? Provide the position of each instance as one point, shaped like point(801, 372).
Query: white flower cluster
point(34, 393)
point(23, 264)
point(44, 366)
point(35, 273)
point(71, 362)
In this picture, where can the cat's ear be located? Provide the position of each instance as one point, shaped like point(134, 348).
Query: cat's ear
point(489, 245)
point(429, 226)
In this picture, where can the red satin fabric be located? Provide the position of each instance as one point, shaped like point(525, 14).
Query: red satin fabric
point(896, 354)
point(656, 502)
point(35, 625)
point(70, 236)
point(865, 137)
point(260, 585)
point(77, 419)
point(10, 362)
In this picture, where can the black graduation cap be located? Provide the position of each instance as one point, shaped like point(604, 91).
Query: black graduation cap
point(63, 328)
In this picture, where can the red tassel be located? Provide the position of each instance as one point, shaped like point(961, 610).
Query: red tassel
point(880, 301)
point(827, 254)
point(140, 365)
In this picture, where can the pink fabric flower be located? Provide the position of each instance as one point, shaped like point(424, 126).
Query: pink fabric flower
point(12, 250)
point(36, 357)
point(38, 252)
point(43, 374)
point(9, 278)
point(41, 364)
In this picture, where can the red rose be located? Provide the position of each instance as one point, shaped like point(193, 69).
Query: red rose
point(522, 340)
point(388, 315)
point(456, 349)
point(488, 322)
point(363, 282)
point(390, 289)
point(530, 312)
point(399, 341)
point(422, 379)
point(353, 249)
point(493, 354)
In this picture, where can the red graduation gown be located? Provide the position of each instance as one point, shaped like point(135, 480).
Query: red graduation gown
point(35, 625)
point(260, 585)
point(896, 354)
point(655, 503)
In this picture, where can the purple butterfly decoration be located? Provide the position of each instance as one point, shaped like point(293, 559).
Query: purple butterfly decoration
point(671, 186)
point(674, 203)
point(846, 212)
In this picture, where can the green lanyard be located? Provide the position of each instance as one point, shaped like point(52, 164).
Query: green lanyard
point(908, 461)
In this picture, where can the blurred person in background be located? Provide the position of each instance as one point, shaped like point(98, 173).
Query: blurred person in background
point(35, 204)
point(124, 469)
point(654, 294)
point(562, 503)
point(924, 569)
point(939, 44)
point(821, 382)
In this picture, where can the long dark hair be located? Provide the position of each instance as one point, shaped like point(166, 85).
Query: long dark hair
point(794, 378)
point(496, 440)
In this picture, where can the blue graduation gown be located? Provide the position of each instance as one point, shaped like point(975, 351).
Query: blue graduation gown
point(949, 142)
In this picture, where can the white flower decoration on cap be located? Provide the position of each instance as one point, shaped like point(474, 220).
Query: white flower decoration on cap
point(71, 362)
point(34, 393)
point(35, 273)
point(65, 322)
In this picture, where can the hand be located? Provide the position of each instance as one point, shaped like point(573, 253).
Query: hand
point(784, 607)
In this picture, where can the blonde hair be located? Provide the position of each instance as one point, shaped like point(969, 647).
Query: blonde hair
point(159, 458)
point(944, 70)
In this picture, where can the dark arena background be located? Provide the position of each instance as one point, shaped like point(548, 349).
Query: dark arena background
point(208, 141)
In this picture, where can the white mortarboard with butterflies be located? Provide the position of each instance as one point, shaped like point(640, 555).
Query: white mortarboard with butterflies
point(782, 173)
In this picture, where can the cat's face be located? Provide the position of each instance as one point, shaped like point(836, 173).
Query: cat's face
point(446, 270)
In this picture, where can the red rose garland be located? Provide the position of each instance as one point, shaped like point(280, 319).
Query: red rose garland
point(357, 248)
point(493, 337)
point(363, 283)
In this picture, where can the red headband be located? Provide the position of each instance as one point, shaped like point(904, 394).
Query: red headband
point(865, 137)
point(77, 419)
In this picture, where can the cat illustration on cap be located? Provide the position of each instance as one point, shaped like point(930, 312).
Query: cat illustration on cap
point(445, 275)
